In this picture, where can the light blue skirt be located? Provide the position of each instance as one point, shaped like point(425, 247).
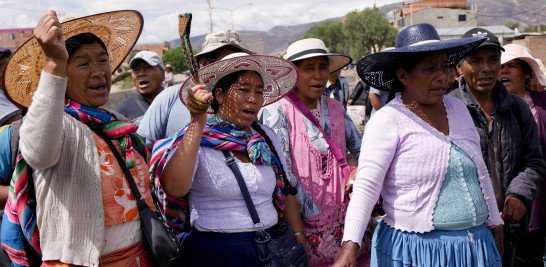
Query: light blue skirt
point(470, 247)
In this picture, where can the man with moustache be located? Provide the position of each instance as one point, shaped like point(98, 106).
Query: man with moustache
point(167, 114)
point(508, 138)
point(148, 75)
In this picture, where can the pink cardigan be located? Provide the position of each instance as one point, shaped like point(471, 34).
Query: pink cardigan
point(406, 160)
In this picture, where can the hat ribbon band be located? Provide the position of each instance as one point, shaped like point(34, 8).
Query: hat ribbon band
point(306, 52)
point(424, 42)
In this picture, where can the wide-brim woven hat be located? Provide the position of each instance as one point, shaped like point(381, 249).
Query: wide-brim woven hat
point(119, 30)
point(278, 75)
point(513, 51)
point(378, 69)
point(313, 47)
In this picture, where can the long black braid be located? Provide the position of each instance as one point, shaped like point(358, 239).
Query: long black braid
point(287, 189)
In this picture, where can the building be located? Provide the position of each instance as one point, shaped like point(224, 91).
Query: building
point(502, 32)
point(157, 48)
point(13, 38)
point(536, 42)
point(439, 13)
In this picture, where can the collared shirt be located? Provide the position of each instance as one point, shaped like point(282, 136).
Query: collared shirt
point(493, 149)
point(482, 113)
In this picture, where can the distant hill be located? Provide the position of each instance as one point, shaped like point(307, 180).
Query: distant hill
point(491, 12)
point(272, 42)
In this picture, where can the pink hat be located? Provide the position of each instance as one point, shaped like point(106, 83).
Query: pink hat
point(279, 75)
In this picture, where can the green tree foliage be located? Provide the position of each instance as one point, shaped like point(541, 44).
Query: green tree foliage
point(361, 34)
point(175, 57)
point(512, 24)
point(331, 33)
point(367, 32)
point(535, 28)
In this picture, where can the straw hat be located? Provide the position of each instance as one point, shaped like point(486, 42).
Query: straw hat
point(169, 66)
point(119, 30)
point(279, 76)
point(513, 51)
point(378, 70)
point(313, 47)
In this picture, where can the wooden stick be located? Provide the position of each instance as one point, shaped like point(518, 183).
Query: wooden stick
point(184, 27)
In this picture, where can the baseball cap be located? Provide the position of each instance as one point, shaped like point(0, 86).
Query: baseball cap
point(149, 57)
point(491, 40)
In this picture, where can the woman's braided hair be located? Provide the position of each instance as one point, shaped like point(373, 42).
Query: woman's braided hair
point(224, 83)
point(285, 190)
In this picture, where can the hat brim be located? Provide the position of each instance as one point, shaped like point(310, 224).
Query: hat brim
point(119, 30)
point(378, 69)
point(336, 61)
point(278, 75)
point(537, 71)
point(212, 48)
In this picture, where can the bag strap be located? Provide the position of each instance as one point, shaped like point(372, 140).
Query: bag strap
point(15, 126)
point(128, 175)
point(345, 168)
point(230, 161)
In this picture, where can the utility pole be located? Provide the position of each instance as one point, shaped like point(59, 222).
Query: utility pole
point(210, 15)
point(476, 8)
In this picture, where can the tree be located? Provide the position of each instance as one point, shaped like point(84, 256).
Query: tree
point(175, 57)
point(513, 24)
point(331, 33)
point(366, 32)
point(535, 28)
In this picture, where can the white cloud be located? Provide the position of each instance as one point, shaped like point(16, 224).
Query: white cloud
point(161, 16)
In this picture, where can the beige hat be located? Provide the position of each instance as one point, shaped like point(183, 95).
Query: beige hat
point(119, 30)
point(513, 51)
point(313, 47)
point(217, 40)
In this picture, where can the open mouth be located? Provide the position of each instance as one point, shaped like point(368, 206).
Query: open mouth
point(143, 83)
point(504, 80)
point(97, 87)
point(249, 112)
point(317, 86)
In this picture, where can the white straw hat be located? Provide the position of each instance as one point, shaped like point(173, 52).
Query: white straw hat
point(313, 47)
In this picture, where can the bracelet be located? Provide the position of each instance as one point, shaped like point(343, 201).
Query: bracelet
point(351, 181)
point(195, 105)
point(296, 234)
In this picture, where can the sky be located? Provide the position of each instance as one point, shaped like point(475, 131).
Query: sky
point(161, 16)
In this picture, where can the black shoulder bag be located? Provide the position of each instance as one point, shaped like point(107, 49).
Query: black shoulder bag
point(161, 243)
point(284, 250)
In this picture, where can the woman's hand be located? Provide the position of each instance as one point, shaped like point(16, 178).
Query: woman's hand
point(347, 257)
point(498, 236)
point(201, 95)
point(49, 34)
point(349, 185)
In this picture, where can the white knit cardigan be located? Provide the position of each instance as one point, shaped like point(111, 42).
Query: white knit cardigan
point(67, 178)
